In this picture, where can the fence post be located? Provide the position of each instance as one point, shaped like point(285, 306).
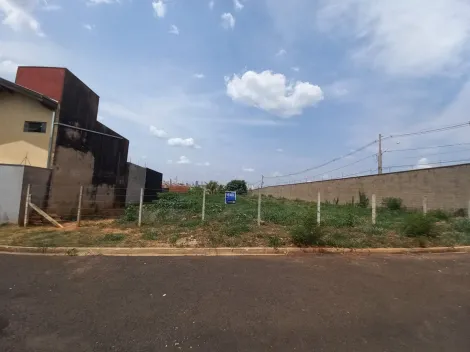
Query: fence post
point(425, 205)
point(318, 208)
point(141, 205)
point(259, 200)
point(26, 206)
point(469, 209)
point(204, 204)
point(374, 214)
point(79, 211)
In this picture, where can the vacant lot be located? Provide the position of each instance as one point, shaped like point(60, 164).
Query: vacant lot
point(175, 220)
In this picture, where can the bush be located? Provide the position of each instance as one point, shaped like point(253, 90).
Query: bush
point(417, 225)
point(392, 203)
point(308, 233)
point(439, 214)
point(460, 213)
point(131, 213)
point(462, 225)
point(212, 187)
point(363, 200)
point(238, 186)
point(113, 237)
point(150, 235)
point(342, 220)
point(275, 241)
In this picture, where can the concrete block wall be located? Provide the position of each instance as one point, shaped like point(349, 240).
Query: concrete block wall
point(445, 188)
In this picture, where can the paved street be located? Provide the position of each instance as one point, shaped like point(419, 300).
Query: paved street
point(308, 303)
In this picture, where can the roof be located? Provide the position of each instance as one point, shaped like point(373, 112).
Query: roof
point(15, 88)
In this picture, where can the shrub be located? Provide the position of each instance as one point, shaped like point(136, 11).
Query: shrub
point(274, 241)
point(235, 229)
point(342, 220)
point(462, 225)
point(113, 237)
point(417, 225)
point(131, 213)
point(460, 213)
point(363, 200)
point(212, 187)
point(392, 203)
point(150, 235)
point(308, 233)
point(439, 214)
point(238, 186)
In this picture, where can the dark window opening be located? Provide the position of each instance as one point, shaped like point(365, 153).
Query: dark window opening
point(37, 127)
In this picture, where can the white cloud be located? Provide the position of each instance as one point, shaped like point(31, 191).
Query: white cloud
point(203, 164)
point(18, 15)
point(101, 118)
point(157, 132)
point(211, 4)
point(281, 52)
point(101, 2)
point(8, 67)
point(180, 142)
point(412, 38)
point(228, 21)
point(271, 92)
point(276, 174)
point(159, 8)
point(183, 160)
point(50, 7)
point(248, 169)
point(238, 6)
point(423, 163)
point(174, 30)
point(280, 150)
point(199, 75)
point(295, 68)
point(89, 27)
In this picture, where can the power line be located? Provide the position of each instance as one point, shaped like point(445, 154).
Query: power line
point(441, 153)
point(439, 163)
point(342, 167)
point(423, 148)
point(441, 129)
point(324, 164)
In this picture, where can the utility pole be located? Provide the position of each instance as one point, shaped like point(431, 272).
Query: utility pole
point(379, 156)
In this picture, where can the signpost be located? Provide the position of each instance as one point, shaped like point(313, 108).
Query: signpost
point(230, 197)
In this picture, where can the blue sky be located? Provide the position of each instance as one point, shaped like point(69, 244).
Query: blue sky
point(235, 89)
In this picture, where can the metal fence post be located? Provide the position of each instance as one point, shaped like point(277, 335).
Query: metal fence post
point(425, 205)
point(259, 201)
point(318, 208)
point(141, 205)
point(26, 206)
point(204, 204)
point(374, 214)
point(79, 211)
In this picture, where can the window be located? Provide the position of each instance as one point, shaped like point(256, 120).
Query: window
point(37, 127)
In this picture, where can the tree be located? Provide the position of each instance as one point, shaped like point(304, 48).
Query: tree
point(238, 186)
point(212, 187)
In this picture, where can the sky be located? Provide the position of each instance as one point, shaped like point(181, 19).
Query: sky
point(228, 89)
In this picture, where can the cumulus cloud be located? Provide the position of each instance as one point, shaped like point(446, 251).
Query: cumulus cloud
point(181, 142)
point(183, 160)
point(295, 68)
point(271, 92)
point(7, 67)
point(237, 5)
point(423, 163)
point(18, 15)
point(412, 38)
point(157, 132)
point(159, 8)
point(100, 2)
point(89, 27)
point(228, 21)
point(248, 169)
point(174, 30)
point(199, 75)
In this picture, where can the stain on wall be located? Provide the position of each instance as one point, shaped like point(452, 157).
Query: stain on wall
point(445, 188)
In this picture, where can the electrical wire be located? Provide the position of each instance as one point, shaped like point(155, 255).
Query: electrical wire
point(441, 129)
point(423, 148)
point(441, 153)
point(439, 163)
point(324, 164)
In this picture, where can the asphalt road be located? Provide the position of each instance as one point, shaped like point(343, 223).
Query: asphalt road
point(309, 303)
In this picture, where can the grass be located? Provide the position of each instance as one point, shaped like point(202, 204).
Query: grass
point(175, 220)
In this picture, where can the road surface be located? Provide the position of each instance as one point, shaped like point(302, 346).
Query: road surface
point(307, 303)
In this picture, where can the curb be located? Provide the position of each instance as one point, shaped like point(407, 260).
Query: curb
point(212, 252)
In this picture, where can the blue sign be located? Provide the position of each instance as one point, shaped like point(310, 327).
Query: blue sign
point(230, 197)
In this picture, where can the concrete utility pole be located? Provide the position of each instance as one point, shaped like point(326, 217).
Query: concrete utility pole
point(379, 156)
